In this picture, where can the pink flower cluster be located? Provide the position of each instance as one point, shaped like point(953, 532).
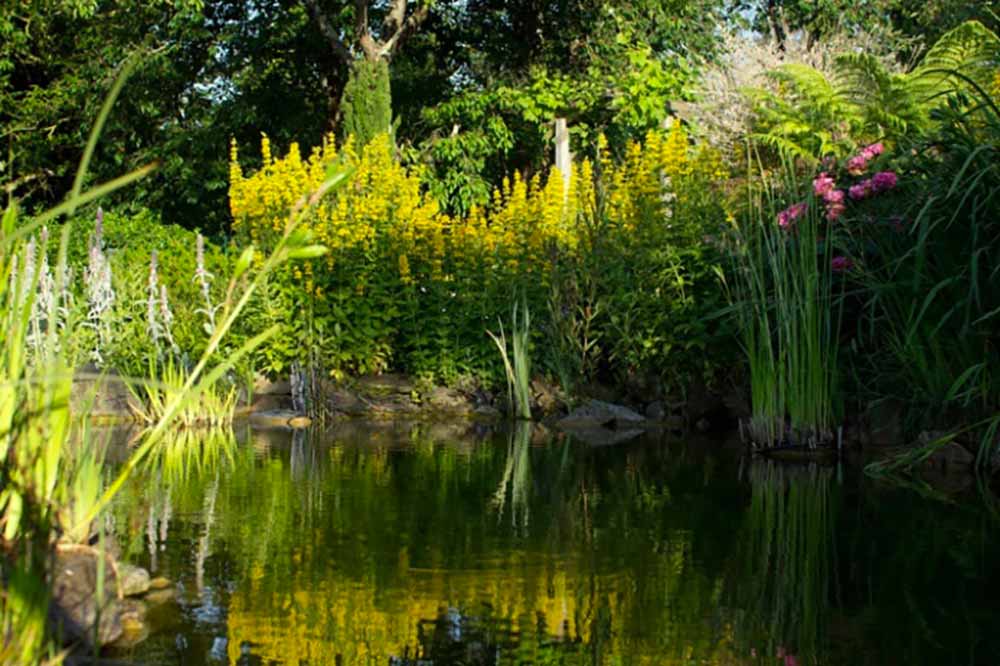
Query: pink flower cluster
point(834, 199)
point(883, 180)
point(840, 264)
point(858, 164)
point(788, 216)
point(825, 187)
point(880, 182)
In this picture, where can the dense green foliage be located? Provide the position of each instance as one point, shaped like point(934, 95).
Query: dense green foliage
point(367, 102)
point(130, 242)
point(930, 281)
point(839, 227)
point(861, 102)
point(906, 245)
point(620, 291)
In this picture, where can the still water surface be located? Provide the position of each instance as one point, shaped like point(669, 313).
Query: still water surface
point(442, 545)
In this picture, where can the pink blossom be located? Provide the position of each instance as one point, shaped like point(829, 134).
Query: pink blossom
point(790, 214)
point(857, 165)
point(834, 197)
point(883, 180)
point(823, 184)
point(834, 211)
point(791, 660)
point(860, 191)
point(839, 264)
point(873, 151)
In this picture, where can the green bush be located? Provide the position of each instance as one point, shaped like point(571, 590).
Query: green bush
point(928, 254)
point(128, 241)
point(407, 287)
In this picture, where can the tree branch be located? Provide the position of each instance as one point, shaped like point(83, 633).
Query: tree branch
point(362, 31)
point(394, 19)
point(409, 26)
point(328, 32)
point(360, 18)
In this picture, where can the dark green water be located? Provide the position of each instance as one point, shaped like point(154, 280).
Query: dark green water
point(434, 543)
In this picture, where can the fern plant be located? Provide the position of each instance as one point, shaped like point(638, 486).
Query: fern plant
point(810, 115)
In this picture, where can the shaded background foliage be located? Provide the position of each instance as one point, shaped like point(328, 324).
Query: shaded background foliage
point(474, 87)
point(227, 68)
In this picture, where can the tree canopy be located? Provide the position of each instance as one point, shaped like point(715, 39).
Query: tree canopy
point(475, 83)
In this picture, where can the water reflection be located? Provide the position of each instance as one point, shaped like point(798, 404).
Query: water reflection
point(787, 558)
point(516, 477)
point(384, 543)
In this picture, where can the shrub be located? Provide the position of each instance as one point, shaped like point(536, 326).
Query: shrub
point(409, 287)
point(927, 256)
point(128, 242)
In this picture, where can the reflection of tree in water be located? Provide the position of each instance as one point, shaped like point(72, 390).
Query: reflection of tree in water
point(788, 554)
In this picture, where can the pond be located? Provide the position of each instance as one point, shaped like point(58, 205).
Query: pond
point(451, 544)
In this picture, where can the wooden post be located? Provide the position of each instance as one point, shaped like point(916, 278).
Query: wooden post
point(666, 125)
point(564, 160)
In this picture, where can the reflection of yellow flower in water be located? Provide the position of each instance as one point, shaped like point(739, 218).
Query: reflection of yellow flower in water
point(312, 621)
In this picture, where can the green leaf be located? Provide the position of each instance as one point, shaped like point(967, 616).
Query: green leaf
point(307, 252)
point(243, 263)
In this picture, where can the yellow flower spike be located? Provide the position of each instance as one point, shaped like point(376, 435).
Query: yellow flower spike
point(384, 214)
point(676, 152)
point(265, 149)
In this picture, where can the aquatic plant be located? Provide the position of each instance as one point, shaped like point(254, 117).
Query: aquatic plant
point(214, 408)
point(34, 425)
point(789, 313)
point(517, 362)
point(85, 483)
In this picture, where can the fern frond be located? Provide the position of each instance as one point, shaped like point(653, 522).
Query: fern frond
point(785, 146)
point(971, 49)
point(883, 99)
point(812, 86)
